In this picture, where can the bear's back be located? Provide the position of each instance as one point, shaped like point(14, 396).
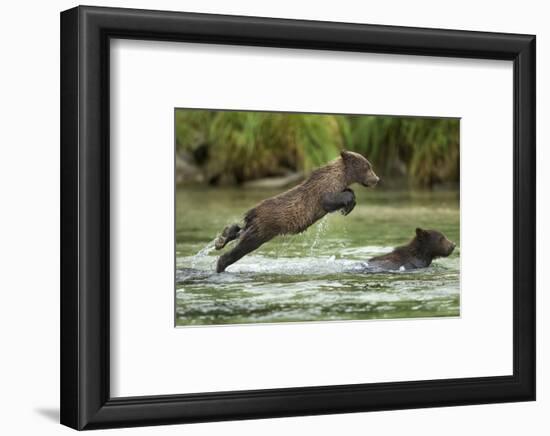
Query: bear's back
point(293, 211)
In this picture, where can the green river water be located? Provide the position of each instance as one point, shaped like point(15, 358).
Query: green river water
point(318, 275)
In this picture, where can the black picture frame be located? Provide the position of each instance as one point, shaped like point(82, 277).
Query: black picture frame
point(85, 399)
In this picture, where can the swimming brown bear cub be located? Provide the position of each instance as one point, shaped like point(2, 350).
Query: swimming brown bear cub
point(419, 253)
point(325, 190)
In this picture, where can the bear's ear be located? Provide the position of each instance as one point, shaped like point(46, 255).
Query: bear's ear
point(346, 155)
point(420, 233)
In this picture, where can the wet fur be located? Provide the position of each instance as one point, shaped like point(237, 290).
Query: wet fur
point(419, 253)
point(295, 210)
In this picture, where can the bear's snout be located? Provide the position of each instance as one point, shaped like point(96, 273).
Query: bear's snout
point(452, 246)
point(372, 180)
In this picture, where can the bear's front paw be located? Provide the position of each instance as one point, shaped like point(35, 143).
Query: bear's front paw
point(350, 202)
point(347, 210)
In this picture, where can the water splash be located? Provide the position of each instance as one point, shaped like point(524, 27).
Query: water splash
point(202, 253)
point(257, 265)
point(320, 230)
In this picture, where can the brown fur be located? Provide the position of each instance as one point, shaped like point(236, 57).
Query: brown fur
point(298, 208)
point(295, 210)
point(419, 253)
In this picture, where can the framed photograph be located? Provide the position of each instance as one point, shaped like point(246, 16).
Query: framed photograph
point(265, 217)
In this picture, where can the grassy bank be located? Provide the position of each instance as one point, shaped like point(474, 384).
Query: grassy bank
point(232, 147)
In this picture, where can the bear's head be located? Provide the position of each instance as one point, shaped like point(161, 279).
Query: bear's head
point(358, 169)
point(434, 243)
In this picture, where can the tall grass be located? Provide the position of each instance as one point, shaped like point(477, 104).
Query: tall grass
point(239, 146)
point(425, 149)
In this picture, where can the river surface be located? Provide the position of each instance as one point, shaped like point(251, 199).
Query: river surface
point(320, 274)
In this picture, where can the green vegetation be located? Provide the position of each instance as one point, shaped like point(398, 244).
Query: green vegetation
point(230, 147)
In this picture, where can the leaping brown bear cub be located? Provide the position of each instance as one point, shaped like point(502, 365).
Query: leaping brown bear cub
point(325, 190)
point(419, 253)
